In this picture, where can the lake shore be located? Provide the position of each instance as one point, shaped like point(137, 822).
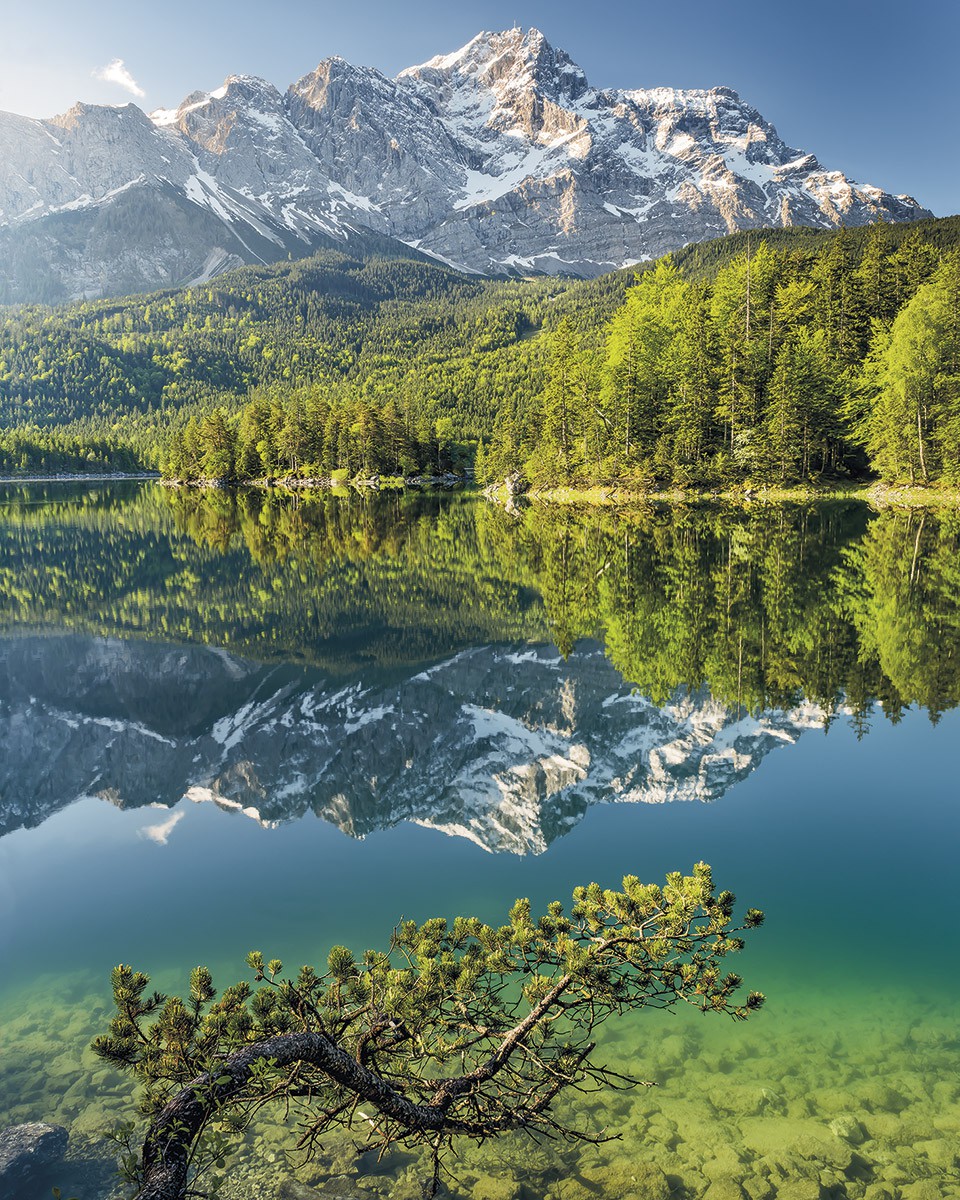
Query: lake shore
point(876, 494)
point(300, 483)
point(98, 477)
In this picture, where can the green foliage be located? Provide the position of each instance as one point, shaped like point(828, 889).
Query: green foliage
point(459, 1029)
point(912, 431)
point(765, 605)
point(30, 450)
point(775, 370)
point(330, 336)
point(398, 367)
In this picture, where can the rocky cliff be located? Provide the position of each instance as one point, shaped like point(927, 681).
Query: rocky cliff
point(497, 158)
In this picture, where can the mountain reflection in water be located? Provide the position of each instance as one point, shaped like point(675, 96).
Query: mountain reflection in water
point(375, 659)
point(507, 747)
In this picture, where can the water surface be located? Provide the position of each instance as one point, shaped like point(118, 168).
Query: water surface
point(285, 722)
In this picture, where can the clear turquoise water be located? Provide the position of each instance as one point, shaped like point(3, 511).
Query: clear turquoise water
point(847, 842)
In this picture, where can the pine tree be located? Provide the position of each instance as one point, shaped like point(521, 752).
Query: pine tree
point(913, 429)
point(795, 429)
point(740, 313)
point(216, 444)
point(693, 389)
point(636, 369)
point(564, 400)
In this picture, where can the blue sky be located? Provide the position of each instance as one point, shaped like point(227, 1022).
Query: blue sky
point(868, 87)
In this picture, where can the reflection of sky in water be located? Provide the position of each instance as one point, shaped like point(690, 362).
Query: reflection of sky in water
point(833, 837)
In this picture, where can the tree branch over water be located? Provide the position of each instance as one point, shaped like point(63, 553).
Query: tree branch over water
point(461, 1030)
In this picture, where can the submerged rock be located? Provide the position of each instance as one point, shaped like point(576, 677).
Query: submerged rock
point(628, 1180)
point(922, 1189)
point(496, 1189)
point(725, 1188)
point(26, 1149)
point(800, 1189)
point(849, 1129)
point(335, 1189)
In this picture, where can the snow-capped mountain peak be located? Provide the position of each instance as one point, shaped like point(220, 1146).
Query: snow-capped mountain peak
point(511, 60)
point(497, 157)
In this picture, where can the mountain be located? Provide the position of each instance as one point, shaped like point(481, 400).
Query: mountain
point(497, 158)
point(506, 746)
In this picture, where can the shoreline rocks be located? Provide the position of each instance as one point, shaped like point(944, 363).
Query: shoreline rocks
point(27, 1149)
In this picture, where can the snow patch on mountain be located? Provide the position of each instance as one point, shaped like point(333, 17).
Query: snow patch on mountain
point(499, 156)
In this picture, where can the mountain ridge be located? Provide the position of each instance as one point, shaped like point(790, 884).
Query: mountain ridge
point(497, 158)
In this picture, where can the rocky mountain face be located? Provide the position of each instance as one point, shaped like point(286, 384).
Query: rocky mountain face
point(497, 158)
point(506, 746)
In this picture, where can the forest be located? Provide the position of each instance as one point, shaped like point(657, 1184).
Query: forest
point(768, 358)
point(785, 367)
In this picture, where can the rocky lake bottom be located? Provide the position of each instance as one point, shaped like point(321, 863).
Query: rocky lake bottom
point(851, 1096)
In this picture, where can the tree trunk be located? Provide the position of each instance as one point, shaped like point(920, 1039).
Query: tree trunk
point(923, 463)
point(166, 1151)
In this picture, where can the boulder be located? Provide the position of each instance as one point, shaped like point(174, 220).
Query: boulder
point(725, 1188)
point(922, 1189)
point(27, 1149)
point(848, 1128)
point(800, 1189)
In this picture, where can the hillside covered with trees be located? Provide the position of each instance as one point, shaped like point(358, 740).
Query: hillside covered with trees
point(765, 358)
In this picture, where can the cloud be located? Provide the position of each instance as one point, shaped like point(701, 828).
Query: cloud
point(116, 72)
point(161, 833)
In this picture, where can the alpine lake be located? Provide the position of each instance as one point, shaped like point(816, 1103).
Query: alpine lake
point(284, 721)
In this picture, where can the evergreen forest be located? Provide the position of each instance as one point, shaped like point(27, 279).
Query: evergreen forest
point(763, 359)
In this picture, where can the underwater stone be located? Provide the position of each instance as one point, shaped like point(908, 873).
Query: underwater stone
point(940, 1152)
point(24, 1149)
point(496, 1189)
point(648, 1183)
point(758, 1188)
point(673, 1050)
point(881, 1098)
point(726, 1165)
point(834, 1101)
point(801, 1140)
point(293, 1189)
point(849, 1128)
point(628, 1180)
point(724, 1189)
point(923, 1189)
point(886, 1126)
point(335, 1189)
point(746, 1099)
point(894, 1173)
point(800, 1189)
